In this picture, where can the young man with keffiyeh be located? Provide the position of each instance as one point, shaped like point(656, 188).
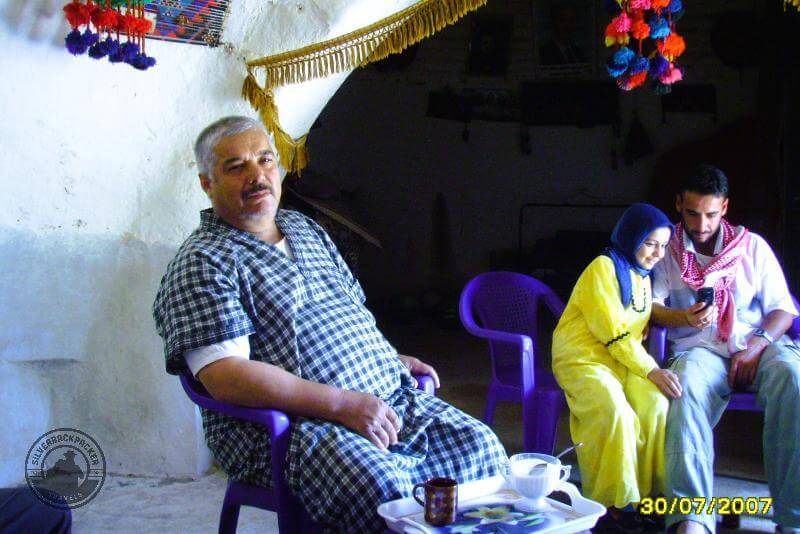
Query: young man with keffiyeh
point(736, 343)
point(261, 308)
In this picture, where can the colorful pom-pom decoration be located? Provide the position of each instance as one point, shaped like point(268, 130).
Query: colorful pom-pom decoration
point(636, 5)
point(794, 3)
point(620, 62)
point(639, 64)
point(671, 75)
point(633, 23)
point(658, 64)
point(115, 29)
point(74, 43)
point(674, 6)
point(659, 27)
point(672, 47)
point(632, 81)
point(659, 5)
point(640, 30)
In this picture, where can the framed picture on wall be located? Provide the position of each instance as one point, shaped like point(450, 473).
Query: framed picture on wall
point(489, 44)
point(565, 39)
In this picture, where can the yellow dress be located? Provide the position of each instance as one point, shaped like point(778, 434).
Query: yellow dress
point(619, 415)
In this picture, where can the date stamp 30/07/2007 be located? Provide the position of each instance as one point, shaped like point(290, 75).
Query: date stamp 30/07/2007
point(706, 506)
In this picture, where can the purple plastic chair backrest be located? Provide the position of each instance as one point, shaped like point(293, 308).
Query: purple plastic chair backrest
point(509, 302)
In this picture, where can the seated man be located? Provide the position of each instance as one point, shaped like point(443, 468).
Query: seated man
point(261, 307)
point(736, 343)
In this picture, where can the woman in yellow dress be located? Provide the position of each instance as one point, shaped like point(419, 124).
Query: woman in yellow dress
point(617, 394)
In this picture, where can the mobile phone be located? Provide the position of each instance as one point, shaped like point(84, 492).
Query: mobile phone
point(706, 294)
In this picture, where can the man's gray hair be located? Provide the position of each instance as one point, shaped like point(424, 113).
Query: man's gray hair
point(214, 132)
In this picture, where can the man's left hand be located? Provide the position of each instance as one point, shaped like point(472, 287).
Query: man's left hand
point(418, 367)
point(744, 365)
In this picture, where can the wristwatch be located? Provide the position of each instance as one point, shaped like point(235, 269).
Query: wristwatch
point(760, 332)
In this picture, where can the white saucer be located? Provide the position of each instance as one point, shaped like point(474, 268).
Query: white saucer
point(532, 505)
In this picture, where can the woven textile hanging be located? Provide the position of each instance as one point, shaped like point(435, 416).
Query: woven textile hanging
point(355, 49)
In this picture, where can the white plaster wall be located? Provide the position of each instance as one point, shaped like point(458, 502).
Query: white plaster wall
point(97, 177)
point(99, 189)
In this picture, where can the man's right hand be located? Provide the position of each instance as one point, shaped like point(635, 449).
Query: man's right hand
point(368, 416)
point(699, 315)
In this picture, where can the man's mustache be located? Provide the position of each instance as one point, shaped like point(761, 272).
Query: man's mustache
point(257, 188)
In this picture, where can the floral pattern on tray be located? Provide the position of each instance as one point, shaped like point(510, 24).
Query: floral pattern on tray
point(500, 518)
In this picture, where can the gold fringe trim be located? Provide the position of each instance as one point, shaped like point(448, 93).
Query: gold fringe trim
point(390, 35)
point(292, 152)
point(360, 47)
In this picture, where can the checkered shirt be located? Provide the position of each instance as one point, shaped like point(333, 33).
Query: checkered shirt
point(308, 317)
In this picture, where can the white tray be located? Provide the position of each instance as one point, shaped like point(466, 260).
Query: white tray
point(406, 515)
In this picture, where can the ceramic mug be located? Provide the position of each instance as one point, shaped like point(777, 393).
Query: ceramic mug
point(534, 476)
point(441, 500)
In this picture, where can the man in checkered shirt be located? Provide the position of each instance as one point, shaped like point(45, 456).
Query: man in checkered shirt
point(261, 308)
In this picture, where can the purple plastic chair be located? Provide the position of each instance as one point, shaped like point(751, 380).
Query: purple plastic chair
point(742, 401)
point(291, 516)
point(502, 307)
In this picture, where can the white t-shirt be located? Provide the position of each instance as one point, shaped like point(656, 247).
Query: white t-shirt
point(238, 347)
point(759, 288)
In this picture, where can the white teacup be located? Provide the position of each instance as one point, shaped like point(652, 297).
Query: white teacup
point(534, 476)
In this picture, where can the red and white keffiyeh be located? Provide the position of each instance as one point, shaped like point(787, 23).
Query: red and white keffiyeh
point(725, 264)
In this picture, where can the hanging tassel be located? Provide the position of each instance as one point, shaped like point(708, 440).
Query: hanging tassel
point(675, 6)
point(129, 51)
point(253, 93)
point(632, 81)
point(659, 5)
point(620, 61)
point(613, 38)
point(115, 54)
point(615, 70)
point(671, 75)
point(671, 47)
point(99, 50)
point(74, 43)
point(639, 64)
point(104, 19)
point(642, 20)
point(621, 23)
point(77, 14)
point(88, 38)
point(143, 62)
point(640, 29)
point(659, 27)
point(658, 64)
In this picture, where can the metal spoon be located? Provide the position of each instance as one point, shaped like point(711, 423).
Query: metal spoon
point(565, 451)
point(539, 467)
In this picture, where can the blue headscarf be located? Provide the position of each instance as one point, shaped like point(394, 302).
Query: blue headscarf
point(638, 222)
